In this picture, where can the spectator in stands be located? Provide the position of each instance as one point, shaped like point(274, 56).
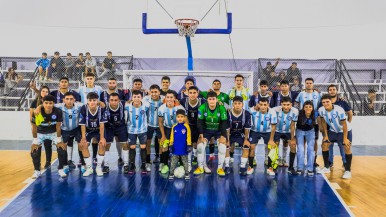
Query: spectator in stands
point(382, 111)
point(56, 65)
point(80, 67)
point(108, 66)
point(282, 76)
point(273, 81)
point(42, 65)
point(296, 86)
point(90, 63)
point(69, 63)
point(268, 69)
point(2, 83)
point(368, 103)
point(292, 72)
point(11, 80)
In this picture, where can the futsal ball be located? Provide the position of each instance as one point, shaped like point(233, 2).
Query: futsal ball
point(179, 172)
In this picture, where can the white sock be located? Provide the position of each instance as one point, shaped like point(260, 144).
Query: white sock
point(266, 152)
point(189, 158)
point(69, 153)
point(106, 159)
point(99, 160)
point(125, 155)
point(221, 154)
point(87, 160)
point(201, 160)
point(285, 151)
point(119, 149)
point(227, 159)
point(195, 152)
point(281, 151)
point(244, 161)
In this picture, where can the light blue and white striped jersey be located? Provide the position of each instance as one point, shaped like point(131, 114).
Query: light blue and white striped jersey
point(304, 96)
point(261, 123)
point(246, 94)
point(284, 120)
point(83, 91)
point(70, 116)
point(334, 117)
point(153, 110)
point(137, 118)
point(169, 114)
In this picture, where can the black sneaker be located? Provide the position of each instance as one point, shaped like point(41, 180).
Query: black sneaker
point(171, 177)
point(132, 169)
point(143, 169)
point(125, 169)
point(187, 177)
point(227, 170)
point(48, 165)
point(292, 171)
point(316, 164)
point(156, 160)
point(94, 161)
point(243, 171)
point(331, 164)
point(310, 173)
point(105, 169)
point(120, 162)
point(71, 164)
point(299, 172)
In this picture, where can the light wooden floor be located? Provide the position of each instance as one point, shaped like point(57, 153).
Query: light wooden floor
point(365, 193)
point(15, 168)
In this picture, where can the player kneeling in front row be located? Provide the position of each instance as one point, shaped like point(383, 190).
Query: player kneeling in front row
point(115, 127)
point(212, 122)
point(339, 132)
point(263, 126)
point(92, 122)
point(180, 144)
point(238, 132)
point(287, 116)
point(137, 129)
point(46, 126)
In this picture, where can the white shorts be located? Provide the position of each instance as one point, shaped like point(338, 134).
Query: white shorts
point(50, 136)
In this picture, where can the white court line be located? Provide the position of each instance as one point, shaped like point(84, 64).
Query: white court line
point(29, 181)
point(338, 196)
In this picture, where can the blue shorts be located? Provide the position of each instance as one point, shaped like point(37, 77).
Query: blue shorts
point(68, 135)
point(208, 134)
point(284, 136)
point(93, 134)
point(167, 132)
point(254, 137)
point(152, 130)
point(236, 139)
point(338, 137)
point(120, 132)
point(141, 137)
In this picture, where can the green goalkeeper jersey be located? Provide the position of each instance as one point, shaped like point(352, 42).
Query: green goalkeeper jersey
point(212, 118)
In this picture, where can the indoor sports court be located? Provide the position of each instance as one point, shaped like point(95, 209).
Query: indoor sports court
point(192, 108)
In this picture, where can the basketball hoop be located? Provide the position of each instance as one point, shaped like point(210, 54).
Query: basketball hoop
point(187, 27)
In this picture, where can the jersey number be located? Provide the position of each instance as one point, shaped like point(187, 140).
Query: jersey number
point(115, 118)
point(70, 116)
point(192, 115)
point(93, 124)
point(136, 117)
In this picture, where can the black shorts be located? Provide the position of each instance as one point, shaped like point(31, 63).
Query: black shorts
point(236, 139)
point(68, 135)
point(167, 132)
point(284, 136)
point(254, 137)
point(194, 133)
point(152, 130)
point(208, 134)
point(316, 128)
point(93, 134)
point(141, 137)
point(120, 132)
point(338, 137)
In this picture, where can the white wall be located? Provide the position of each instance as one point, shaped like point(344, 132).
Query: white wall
point(366, 130)
point(275, 28)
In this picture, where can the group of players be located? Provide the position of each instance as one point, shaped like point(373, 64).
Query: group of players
point(184, 123)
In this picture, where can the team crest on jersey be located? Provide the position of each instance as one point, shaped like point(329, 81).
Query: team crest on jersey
point(183, 131)
point(315, 96)
point(218, 114)
point(334, 116)
point(267, 118)
point(53, 117)
point(142, 112)
point(205, 114)
point(289, 118)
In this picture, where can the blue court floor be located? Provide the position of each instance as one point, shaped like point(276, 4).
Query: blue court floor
point(118, 194)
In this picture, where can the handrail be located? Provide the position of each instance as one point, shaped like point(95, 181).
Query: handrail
point(342, 68)
point(27, 88)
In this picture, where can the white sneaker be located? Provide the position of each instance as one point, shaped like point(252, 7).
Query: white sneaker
point(66, 169)
point(270, 172)
point(231, 160)
point(36, 174)
point(98, 171)
point(250, 170)
point(324, 170)
point(148, 167)
point(160, 167)
point(83, 169)
point(347, 175)
point(280, 162)
point(207, 170)
point(88, 172)
point(189, 168)
point(62, 173)
point(284, 162)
